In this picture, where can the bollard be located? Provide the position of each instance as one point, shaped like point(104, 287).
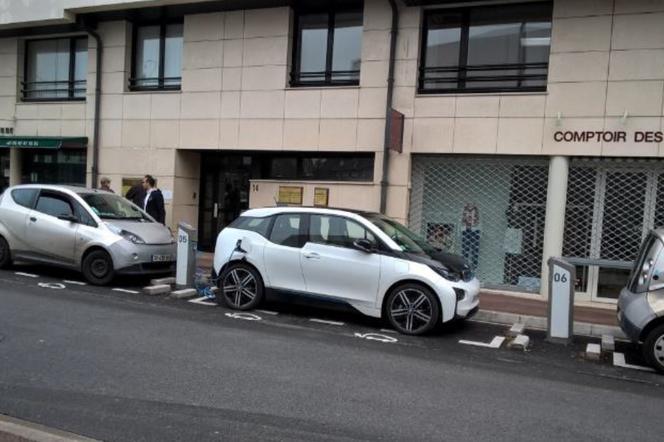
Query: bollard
point(562, 275)
point(186, 260)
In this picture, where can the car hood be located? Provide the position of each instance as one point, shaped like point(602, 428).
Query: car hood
point(151, 233)
point(451, 262)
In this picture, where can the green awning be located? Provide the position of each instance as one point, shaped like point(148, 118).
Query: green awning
point(42, 142)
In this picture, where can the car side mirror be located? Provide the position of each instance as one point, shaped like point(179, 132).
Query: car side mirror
point(364, 245)
point(70, 218)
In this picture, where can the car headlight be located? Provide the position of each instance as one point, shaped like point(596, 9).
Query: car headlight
point(446, 273)
point(132, 237)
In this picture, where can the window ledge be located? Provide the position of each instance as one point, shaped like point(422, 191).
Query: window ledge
point(54, 101)
point(479, 94)
point(359, 183)
point(342, 86)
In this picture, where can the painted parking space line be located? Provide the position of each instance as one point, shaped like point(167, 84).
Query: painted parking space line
point(133, 292)
point(203, 300)
point(52, 285)
point(377, 337)
point(29, 275)
point(496, 342)
point(244, 316)
point(268, 312)
point(67, 281)
point(619, 361)
point(388, 330)
point(325, 321)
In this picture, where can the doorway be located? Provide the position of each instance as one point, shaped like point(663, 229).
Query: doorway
point(224, 194)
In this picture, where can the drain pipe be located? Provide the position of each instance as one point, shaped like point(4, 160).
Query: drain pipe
point(95, 130)
point(388, 106)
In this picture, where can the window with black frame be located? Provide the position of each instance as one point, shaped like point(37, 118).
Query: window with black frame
point(157, 57)
point(55, 69)
point(322, 167)
point(328, 45)
point(486, 49)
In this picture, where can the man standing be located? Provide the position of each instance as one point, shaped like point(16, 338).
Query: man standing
point(106, 184)
point(136, 194)
point(154, 200)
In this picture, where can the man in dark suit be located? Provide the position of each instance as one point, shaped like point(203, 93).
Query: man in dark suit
point(136, 194)
point(154, 200)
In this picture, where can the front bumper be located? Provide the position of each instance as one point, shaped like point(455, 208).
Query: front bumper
point(634, 313)
point(470, 303)
point(136, 259)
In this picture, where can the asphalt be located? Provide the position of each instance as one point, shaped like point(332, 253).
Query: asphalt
point(121, 366)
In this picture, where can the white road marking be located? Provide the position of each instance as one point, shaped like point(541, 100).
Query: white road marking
point(133, 292)
point(245, 316)
point(29, 275)
point(324, 321)
point(202, 301)
point(496, 342)
point(268, 312)
point(52, 285)
point(387, 330)
point(66, 281)
point(619, 361)
point(377, 337)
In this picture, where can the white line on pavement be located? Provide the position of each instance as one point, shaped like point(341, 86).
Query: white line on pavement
point(268, 312)
point(202, 301)
point(619, 361)
point(496, 342)
point(29, 275)
point(323, 321)
point(133, 292)
point(387, 330)
point(66, 281)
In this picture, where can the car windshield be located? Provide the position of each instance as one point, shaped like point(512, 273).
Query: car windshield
point(109, 206)
point(408, 240)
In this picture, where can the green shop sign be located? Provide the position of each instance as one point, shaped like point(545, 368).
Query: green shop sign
point(42, 142)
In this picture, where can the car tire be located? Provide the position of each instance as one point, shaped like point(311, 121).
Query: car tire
point(653, 348)
point(5, 254)
point(98, 268)
point(412, 309)
point(240, 287)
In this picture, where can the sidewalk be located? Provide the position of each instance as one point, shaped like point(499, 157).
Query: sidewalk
point(504, 308)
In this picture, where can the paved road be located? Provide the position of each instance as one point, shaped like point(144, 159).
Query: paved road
point(120, 366)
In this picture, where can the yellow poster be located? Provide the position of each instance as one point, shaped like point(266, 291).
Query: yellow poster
point(290, 195)
point(321, 196)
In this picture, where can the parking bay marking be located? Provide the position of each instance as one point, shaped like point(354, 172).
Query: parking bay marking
point(324, 321)
point(268, 312)
point(29, 275)
point(52, 285)
point(202, 301)
point(619, 361)
point(133, 292)
point(377, 337)
point(245, 316)
point(67, 281)
point(496, 342)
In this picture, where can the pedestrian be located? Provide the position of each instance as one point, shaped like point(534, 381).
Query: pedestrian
point(136, 194)
point(154, 200)
point(106, 184)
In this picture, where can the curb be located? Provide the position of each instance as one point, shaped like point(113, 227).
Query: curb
point(540, 323)
point(17, 430)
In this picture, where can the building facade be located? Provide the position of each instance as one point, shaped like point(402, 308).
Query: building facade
point(517, 130)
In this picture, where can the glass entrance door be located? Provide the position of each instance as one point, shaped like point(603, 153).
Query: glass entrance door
point(224, 194)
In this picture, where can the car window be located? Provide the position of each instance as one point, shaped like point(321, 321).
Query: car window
point(258, 225)
point(337, 231)
point(54, 205)
point(287, 230)
point(25, 197)
point(84, 216)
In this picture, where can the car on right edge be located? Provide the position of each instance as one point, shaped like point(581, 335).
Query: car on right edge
point(641, 302)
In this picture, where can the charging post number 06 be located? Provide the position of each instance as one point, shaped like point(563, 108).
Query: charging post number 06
point(560, 277)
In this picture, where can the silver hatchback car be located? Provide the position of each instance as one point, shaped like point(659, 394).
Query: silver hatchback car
point(98, 233)
point(641, 302)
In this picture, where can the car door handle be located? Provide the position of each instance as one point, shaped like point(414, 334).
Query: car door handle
point(33, 219)
point(311, 255)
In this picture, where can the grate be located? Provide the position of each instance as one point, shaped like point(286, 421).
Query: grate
point(489, 210)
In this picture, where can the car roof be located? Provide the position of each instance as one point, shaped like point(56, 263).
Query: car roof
point(268, 211)
point(73, 189)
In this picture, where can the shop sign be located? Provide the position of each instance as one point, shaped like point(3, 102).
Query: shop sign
point(290, 195)
point(40, 142)
point(618, 136)
point(321, 196)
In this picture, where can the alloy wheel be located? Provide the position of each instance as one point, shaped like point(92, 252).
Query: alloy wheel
point(240, 287)
point(411, 309)
point(658, 350)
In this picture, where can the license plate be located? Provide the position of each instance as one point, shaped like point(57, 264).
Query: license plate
point(162, 258)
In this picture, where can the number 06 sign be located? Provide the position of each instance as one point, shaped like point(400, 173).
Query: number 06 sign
point(561, 300)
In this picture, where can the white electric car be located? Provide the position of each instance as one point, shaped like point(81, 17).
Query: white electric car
point(365, 260)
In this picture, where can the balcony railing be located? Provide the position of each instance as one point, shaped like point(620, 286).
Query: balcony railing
point(326, 78)
point(484, 78)
point(155, 83)
point(53, 90)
